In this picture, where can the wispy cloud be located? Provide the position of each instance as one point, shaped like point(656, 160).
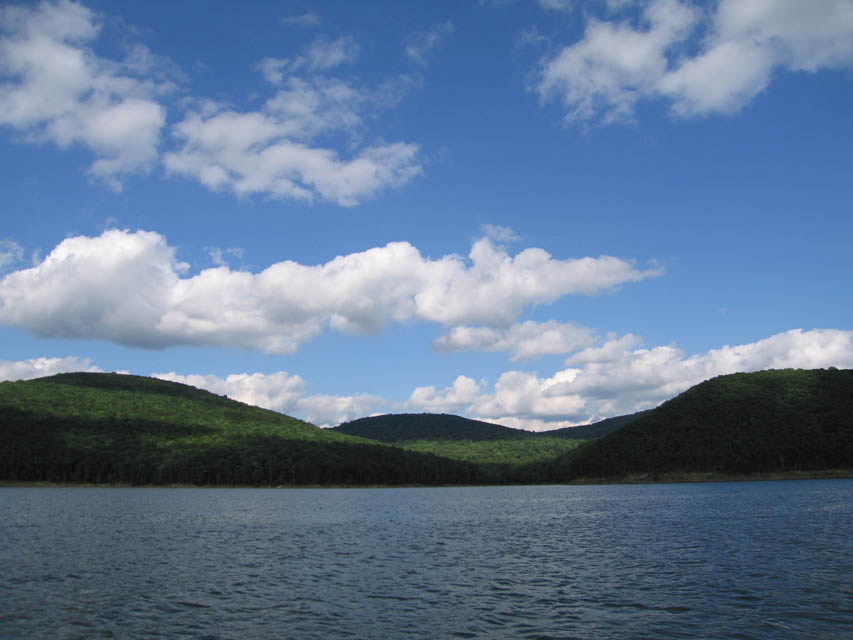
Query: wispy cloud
point(419, 45)
point(10, 253)
point(307, 19)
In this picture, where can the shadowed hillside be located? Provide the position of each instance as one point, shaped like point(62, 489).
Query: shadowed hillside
point(110, 428)
point(460, 438)
point(765, 422)
point(404, 427)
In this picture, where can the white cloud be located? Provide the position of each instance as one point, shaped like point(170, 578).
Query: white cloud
point(319, 56)
point(501, 235)
point(618, 64)
point(527, 340)
point(615, 64)
point(129, 288)
point(420, 45)
point(10, 253)
point(273, 69)
point(324, 55)
point(269, 151)
point(56, 89)
point(617, 378)
point(452, 399)
point(284, 393)
point(308, 19)
point(557, 5)
point(219, 256)
point(41, 367)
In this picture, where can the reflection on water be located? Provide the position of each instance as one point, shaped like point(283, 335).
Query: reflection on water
point(728, 560)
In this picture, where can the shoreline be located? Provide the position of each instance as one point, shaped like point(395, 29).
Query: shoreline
point(645, 478)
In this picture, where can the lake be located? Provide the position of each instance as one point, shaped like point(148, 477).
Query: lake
point(714, 560)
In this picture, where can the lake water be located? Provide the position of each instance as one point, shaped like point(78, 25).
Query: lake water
point(728, 560)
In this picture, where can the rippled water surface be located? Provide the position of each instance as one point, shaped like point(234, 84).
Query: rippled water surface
point(729, 560)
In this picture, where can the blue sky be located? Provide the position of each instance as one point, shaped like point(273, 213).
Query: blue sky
point(539, 213)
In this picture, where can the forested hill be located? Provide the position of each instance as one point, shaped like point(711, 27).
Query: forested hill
point(766, 422)
point(406, 427)
point(111, 428)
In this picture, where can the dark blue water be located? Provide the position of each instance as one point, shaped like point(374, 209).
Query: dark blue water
point(730, 560)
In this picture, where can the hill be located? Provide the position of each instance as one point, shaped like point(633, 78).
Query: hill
point(776, 421)
point(407, 427)
point(463, 439)
point(111, 428)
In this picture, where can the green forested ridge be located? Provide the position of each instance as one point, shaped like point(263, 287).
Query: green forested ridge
point(460, 438)
point(111, 428)
point(774, 421)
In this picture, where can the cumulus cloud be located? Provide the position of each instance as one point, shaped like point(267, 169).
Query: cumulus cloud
point(130, 288)
point(274, 151)
point(53, 88)
point(618, 378)
point(714, 62)
point(271, 151)
point(526, 341)
point(40, 367)
point(284, 393)
point(452, 399)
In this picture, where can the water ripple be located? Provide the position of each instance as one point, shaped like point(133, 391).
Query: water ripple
point(750, 560)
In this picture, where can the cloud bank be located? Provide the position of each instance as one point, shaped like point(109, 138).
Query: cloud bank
point(617, 378)
point(701, 61)
point(129, 288)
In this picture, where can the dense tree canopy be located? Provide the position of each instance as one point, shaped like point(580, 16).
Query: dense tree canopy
point(111, 428)
point(766, 422)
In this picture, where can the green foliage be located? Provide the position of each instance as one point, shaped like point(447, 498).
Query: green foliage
point(502, 451)
point(110, 428)
point(765, 422)
point(462, 439)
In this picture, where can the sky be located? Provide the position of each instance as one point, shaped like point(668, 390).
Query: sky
point(539, 213)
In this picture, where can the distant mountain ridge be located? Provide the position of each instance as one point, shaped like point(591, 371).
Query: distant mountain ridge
point(403, 427)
